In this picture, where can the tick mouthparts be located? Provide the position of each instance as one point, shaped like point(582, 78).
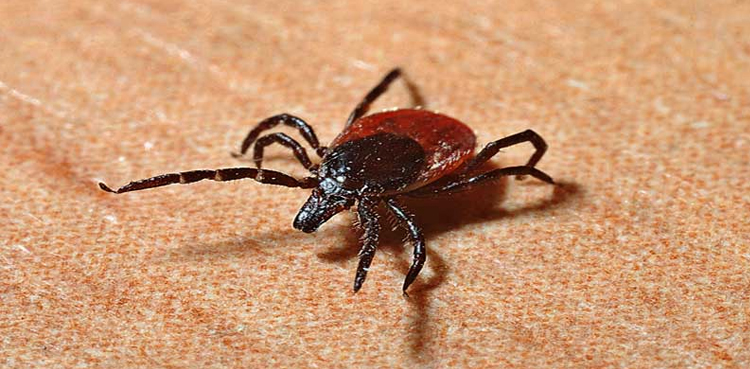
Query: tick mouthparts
point(304, 222)
point(307, 228)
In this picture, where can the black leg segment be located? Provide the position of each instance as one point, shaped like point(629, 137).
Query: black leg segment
point(304, 129)
point(417, 238)
point(494, 147)
point(463, 184)
point(226, 174)
point(282, 139)
point(373, 95)
point(368, 219)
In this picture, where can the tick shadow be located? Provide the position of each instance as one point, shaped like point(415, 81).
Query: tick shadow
point(442, 215)
point(436, 216)
point(263, 244)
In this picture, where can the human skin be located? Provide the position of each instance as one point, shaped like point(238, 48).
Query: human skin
point(639, 258)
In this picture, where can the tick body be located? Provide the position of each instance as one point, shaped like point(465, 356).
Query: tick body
point(377, 159)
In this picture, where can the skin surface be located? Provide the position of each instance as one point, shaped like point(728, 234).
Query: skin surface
point(639, 258)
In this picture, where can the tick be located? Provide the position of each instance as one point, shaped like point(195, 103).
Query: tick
point(377, 159)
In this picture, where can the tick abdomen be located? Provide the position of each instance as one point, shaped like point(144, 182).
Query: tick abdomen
point(445, 141)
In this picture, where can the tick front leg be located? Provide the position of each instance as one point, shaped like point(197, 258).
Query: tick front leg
point(225, 174)
point(494, 147)
point(287, 119)
point(417, 238)
point(368, 219)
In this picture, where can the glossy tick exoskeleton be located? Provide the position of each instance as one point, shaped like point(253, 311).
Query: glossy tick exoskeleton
point(376, 159)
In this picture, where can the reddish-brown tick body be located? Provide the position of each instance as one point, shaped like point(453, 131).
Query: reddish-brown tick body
point(446, 143)
point(375, 160)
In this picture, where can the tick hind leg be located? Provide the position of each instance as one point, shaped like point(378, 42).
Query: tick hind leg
point(304, 129)
point(466, 183)
point(417, 238)
point(494, 147)
point(225, 174)
point(373, 95)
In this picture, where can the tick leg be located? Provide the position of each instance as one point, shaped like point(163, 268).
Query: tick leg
point(284, 140)
point(494, 147)
point(463, 184)
point(368, 218)
point(417, 238)
point(226, 174)
point(304, 129)
point(371, 96)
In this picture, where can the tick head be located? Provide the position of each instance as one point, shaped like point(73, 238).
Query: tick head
point(324, 203)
